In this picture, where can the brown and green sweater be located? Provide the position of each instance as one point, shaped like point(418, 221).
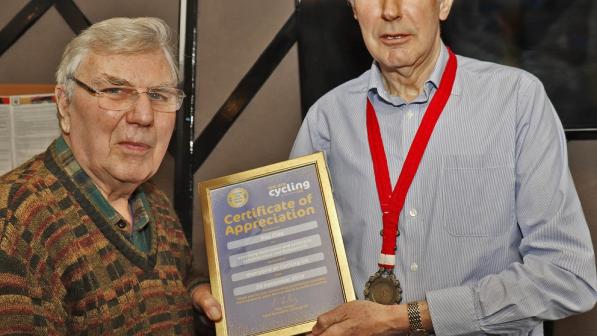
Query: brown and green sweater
point(66, 268)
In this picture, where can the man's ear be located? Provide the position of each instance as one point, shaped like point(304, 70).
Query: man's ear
point(444, 9)
point(63, 104)
point(354, 13)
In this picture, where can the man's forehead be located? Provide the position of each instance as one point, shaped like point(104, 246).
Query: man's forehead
point(126, 69)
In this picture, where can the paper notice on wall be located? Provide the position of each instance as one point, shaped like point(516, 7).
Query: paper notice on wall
point(29, 124)
point(6, 160)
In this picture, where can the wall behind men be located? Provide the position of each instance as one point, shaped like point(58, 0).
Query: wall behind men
point(35, 56)
point(232, 35)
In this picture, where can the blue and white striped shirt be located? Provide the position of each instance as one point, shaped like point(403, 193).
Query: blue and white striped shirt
point(492, 232)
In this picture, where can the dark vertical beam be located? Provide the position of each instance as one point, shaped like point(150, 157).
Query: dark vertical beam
point(184, 134)
point(24, 19)
point(246, 89)
point(330, 48)
point(76, 20)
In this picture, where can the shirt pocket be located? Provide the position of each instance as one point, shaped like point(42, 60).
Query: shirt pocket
point(477, 195)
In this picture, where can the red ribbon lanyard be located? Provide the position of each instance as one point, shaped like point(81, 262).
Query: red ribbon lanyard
point(392, 202)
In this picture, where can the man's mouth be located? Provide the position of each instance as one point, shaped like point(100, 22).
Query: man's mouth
point(394, 36)
point(135, 146)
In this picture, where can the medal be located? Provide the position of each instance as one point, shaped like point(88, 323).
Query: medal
point(382, 287)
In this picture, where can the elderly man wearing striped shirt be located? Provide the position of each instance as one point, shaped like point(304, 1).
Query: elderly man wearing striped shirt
point(457, 208)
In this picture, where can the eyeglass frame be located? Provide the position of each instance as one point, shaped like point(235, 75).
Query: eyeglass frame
point(180, 95)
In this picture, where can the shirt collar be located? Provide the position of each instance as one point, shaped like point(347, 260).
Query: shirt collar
point(64, 157)
point(376, 85)
point(139, 205)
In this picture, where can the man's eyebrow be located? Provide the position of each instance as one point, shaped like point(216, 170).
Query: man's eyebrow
point(114, 80)
point(104, 77)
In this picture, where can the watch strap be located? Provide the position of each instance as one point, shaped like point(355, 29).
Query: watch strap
point(415, 325)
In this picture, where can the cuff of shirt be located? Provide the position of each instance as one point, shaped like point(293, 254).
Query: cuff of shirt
point(453, 311)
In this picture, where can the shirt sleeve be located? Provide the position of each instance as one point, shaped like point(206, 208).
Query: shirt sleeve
point(313, 136)
point(557, 276)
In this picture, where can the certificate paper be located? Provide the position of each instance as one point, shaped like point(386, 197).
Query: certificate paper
point(275, 253)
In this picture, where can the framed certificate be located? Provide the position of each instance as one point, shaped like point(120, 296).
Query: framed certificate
point(275, 252)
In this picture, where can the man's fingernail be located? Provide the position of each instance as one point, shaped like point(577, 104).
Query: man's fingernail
point(214, 313)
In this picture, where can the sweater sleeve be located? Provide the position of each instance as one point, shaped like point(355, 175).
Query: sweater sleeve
point(28, 305)
point(25, 308)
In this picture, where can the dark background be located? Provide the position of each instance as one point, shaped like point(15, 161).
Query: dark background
point(553, 39)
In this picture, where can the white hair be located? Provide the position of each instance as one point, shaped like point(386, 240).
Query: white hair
point(124, 36)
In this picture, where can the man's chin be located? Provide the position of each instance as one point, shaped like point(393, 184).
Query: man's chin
point(133, 174)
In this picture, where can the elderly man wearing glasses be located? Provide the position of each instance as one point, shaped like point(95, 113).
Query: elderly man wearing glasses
point(87, 245)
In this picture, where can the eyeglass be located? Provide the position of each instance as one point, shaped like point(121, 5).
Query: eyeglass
point(121, 98)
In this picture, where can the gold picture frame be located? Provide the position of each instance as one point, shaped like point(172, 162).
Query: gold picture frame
point(274, 248)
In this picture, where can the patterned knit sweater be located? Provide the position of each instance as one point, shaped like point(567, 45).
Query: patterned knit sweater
point(66, 269)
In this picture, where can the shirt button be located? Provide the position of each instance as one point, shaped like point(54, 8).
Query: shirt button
point(410, 114)
point(412, 212)
point(414, 267)
point(121, 225)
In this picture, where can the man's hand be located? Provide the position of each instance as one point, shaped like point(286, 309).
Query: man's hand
point(204, 301)
point(362, 318)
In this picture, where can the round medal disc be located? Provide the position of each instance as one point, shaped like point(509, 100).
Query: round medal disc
point(383, 288)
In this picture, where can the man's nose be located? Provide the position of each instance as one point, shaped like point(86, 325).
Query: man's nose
point(391, 9)
point(142, 113)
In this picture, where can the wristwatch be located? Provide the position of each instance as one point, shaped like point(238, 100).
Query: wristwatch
point(415, 326)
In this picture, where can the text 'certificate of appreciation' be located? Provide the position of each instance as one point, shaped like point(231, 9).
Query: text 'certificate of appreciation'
point(275, 252)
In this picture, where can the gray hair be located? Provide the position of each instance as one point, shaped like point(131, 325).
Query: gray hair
point(124, 36)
